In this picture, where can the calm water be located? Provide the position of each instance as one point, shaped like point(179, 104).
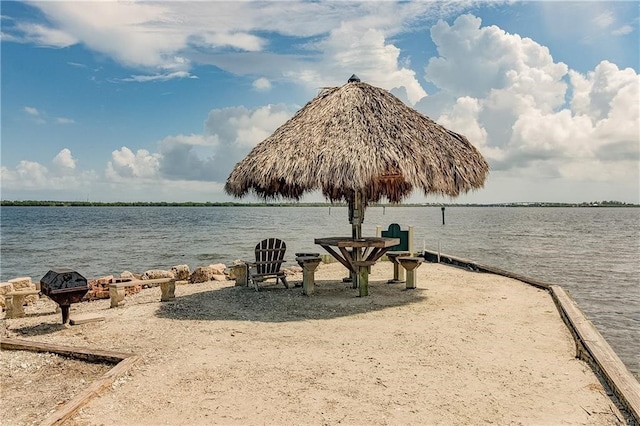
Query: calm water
point(594, 253)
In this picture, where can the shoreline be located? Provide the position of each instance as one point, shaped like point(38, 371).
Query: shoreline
point(463, 347)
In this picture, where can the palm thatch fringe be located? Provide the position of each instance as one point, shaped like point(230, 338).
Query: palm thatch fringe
point(358, 137)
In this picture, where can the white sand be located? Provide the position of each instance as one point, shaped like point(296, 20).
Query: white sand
point(462, 348)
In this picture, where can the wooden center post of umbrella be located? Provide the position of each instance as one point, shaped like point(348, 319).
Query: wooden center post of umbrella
point(356, 217)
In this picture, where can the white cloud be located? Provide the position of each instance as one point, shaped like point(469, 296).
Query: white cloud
point(32, 176)
point(594, 92)
point(77, 65)
point(350, 50)
point(145, 34)
point(192, 139)
point(126, 31)
point(464, 118)
point(27, 174)
point(228, 136)
point(192, 165)
point(475, 61)
point(604, 19)
point(241, 41)
point(188, 157)
point(44, 36)
point(159, 77)
point(244, 128)
point(623, 30)
point(518, 116)
point(178, 63)
point(262, 84)
point(64, 160)
point(31, 111)
point(128, 177)
point(127, 164)
point(36, 115)
point(39, 116)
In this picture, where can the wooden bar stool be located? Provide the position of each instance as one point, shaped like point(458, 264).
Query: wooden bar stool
point(309, 265)
point(410, 264)
point(398, 270)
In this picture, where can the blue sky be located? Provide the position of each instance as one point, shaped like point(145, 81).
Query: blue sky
point(157, 101)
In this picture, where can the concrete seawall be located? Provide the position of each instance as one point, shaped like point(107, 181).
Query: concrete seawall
point(591, 346)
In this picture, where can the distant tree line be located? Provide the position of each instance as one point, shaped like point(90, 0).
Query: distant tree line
point(36, 203)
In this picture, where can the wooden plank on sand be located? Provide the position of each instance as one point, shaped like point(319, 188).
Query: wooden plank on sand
point(85, 317)
point(124, 362)
point(74, 404)
point(70, 351)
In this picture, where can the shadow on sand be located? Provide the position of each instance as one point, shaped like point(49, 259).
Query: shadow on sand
point(39, 329)
point(331, 299)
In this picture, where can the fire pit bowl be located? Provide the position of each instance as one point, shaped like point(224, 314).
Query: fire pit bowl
point(64, 286)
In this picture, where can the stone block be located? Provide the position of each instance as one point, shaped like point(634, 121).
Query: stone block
point(202, 274)
point(22, 283)
point(218, 277)
point(131, 290)
point(104, 280)
point(126, 275)
point(15, 302)
point(103, 294)
point(168, 290)
point(239, 274)
point(99, 288)
point(218, 268)
point(117, 293)
point(154, 274)
point(31, 299)
point(4, 289)
point(181, 272)
point(14, 309)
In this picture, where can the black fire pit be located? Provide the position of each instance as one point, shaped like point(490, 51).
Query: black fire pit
point(64, 287)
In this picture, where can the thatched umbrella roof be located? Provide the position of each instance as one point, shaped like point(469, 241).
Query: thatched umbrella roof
point(358, 138)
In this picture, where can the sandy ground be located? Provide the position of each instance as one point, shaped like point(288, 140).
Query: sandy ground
point(463, 348)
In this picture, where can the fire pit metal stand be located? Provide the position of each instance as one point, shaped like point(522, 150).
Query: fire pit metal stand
point(64, 286)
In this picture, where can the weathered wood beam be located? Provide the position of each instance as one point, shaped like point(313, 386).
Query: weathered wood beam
point(124, 362)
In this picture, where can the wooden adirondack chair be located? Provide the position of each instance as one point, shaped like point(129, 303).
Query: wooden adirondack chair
point(269, 258)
